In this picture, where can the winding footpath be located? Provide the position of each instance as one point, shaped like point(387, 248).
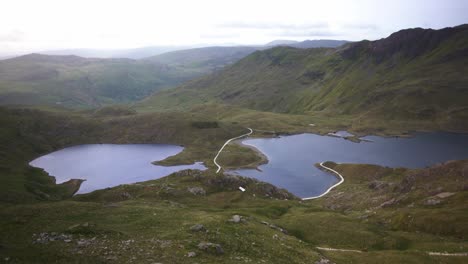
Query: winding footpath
point(225, 144)
point(329, 189)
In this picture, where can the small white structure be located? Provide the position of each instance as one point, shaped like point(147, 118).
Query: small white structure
point(242, 189)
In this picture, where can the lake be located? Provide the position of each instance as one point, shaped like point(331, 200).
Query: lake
point(108, 165)
point(292, 158)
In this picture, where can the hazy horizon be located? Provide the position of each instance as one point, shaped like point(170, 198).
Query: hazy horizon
point(116, 25)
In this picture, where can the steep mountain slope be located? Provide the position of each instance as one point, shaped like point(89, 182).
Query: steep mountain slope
point(79, 82)
point(414, 74)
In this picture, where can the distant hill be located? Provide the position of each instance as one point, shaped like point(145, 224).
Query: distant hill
point(318, 43)
point(307, 44)
point(414, 74)
point(74, 81)
point(280, 42)
point(136, 53)
point(208, 58)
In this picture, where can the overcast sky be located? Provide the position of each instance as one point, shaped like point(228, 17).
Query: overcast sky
point(56, 24)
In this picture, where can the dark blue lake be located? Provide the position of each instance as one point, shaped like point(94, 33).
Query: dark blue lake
point(292, 158)
point(108, 165)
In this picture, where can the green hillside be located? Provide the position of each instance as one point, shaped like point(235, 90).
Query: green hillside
point(73, 81)
point(414, 75)
point(205, 60)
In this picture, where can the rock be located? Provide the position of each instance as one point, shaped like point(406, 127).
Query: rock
point(45, 238)
point(444, 195)
point(126, 195)
point(235, 219)
point(388, 203)
point(432, 201)
point(196, 190)
point(324, 261)
point(197, 228)
point(191, 254)
point(211, 248)
point(272, 226)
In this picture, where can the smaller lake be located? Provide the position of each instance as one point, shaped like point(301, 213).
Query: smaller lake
point(292, 158)
point(108, 165)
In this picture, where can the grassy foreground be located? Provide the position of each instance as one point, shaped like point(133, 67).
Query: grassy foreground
point(385, 215)
point(155, 221)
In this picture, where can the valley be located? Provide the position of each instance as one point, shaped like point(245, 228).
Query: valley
point(403, 199)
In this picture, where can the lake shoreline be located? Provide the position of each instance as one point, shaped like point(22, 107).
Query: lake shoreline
point(254, 165)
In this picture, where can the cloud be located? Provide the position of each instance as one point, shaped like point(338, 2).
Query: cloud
point(220, 35)
point(12, 36)
point(363, 26)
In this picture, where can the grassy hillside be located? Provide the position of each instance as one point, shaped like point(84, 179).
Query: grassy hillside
point(205, 60)
point(72, 81)
point(412, 76)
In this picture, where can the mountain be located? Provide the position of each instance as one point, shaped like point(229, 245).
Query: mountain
point(412, 75)
point(318, 43)
point(281, 42)
point(208, 58)
point(135, 53)
point(74, 81)
point(307, 44)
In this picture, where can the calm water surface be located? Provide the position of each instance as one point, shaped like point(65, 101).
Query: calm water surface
point(292, 158)
point(108, 165)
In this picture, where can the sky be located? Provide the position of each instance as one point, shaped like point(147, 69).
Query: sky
point(34, 25)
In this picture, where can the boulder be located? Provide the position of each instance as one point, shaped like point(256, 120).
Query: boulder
point(235, 219)
point(197, 228)
point(211, 248)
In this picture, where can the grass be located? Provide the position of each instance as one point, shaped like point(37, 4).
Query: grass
point(379, 91)
point(382, 211)
point(156, 217)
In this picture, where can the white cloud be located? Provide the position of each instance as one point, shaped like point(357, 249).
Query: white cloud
point(54, 24)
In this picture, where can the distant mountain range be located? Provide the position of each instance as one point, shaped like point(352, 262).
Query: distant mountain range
point(72, 81)
point(144, 52)
point(136, 53)
point(414, 74)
